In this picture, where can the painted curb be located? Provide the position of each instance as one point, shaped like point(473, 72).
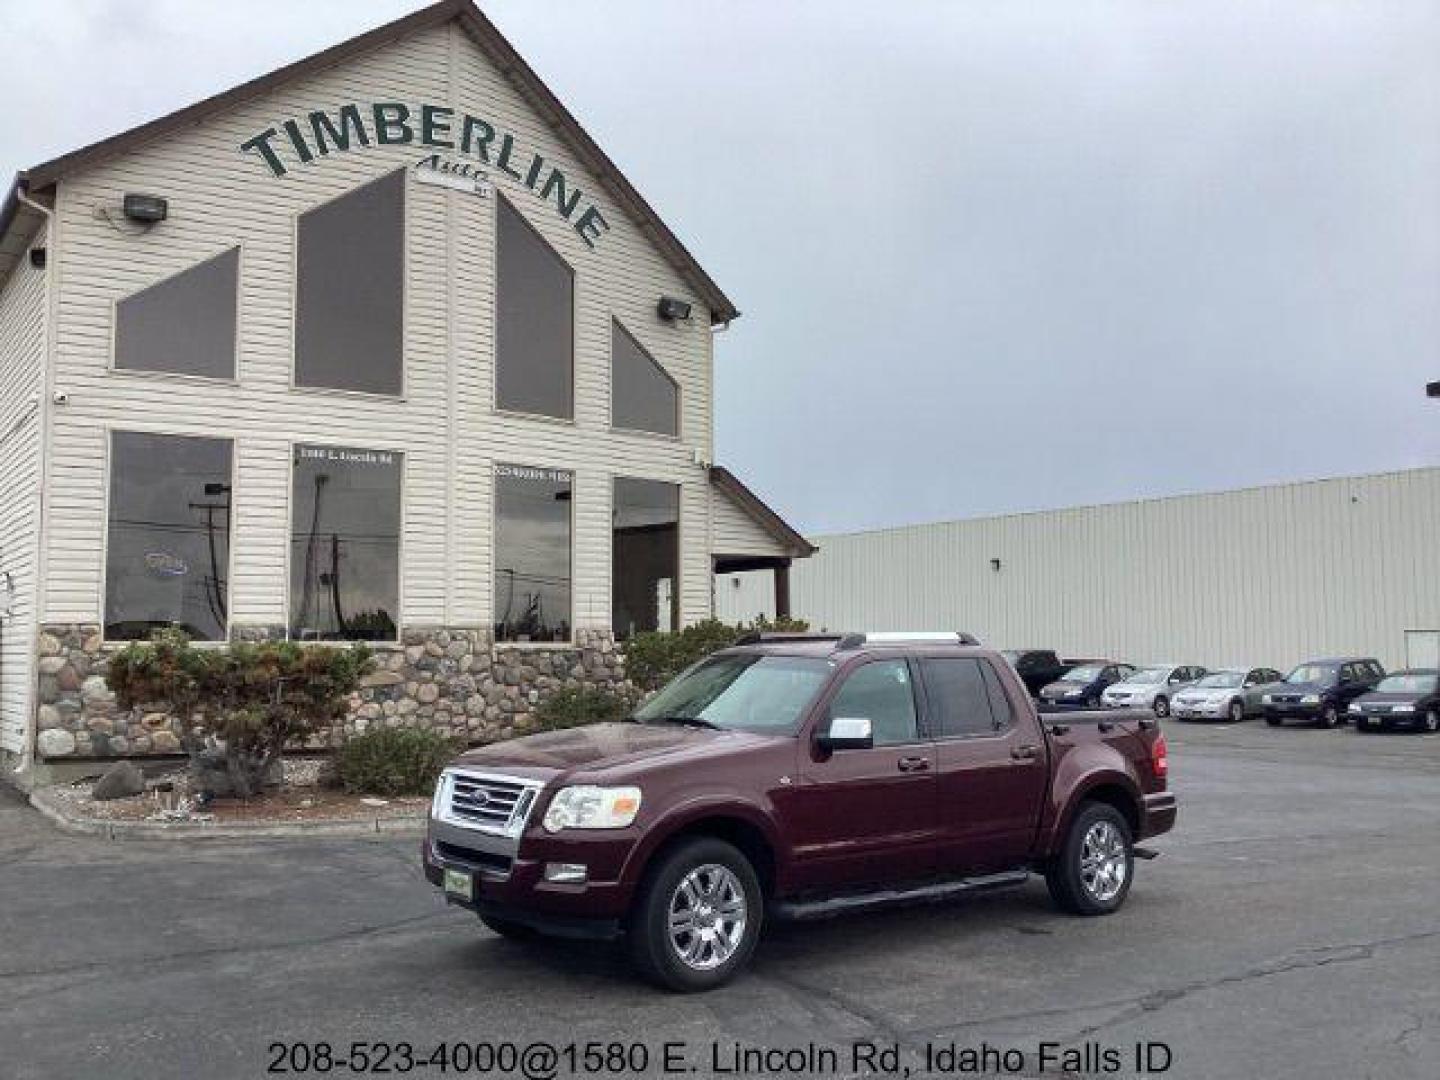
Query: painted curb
point(62, 818)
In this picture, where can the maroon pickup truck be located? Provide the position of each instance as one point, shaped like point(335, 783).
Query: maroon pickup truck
point(797, 776)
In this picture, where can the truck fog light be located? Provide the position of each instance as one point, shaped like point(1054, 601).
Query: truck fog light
point(565, 873)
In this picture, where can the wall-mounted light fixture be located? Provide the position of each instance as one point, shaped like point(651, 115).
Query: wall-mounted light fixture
point(995, 565)
point(673, 309)
point(144, 209)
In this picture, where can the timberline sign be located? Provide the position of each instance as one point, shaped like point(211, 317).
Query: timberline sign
point(318, 134)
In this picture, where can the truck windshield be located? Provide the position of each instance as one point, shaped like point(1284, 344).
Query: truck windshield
point(1089, 673)
point(743, 692)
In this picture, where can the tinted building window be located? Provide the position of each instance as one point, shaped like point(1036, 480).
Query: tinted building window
point(184, 325)
point(349, 290)
point(345, 544)
point(642, 396)
point(168, 549)
point(534, 320)
point(645, 556)
point(532, 554)
point(959, 700)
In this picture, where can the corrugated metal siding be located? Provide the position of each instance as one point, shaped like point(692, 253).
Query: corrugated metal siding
point(22, 354)
point(1264, 576)
point(445, 426)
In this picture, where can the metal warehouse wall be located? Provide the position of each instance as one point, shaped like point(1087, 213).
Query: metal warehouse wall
point(1262, 576)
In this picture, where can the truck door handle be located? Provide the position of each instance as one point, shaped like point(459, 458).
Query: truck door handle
point(1025, 753)
point(913, 764)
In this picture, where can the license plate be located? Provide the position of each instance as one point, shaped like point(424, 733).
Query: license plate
point(459, 884)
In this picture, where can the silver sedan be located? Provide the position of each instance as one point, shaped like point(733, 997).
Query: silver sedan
point(1152, 688)
point(1233, 694)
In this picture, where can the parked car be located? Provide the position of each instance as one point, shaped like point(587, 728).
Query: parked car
point(1233, 693)
point(1037, 668)
point(1401, 699)
point(797, 778)
point(1151, 688)
point(1082, 686)
point(1320, 690)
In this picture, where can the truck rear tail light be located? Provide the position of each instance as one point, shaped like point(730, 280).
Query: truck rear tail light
point(1159, 757)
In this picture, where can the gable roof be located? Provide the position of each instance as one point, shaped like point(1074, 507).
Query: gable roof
point(727, 482)
point(484, 33)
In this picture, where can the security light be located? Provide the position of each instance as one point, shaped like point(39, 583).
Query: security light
point(995, 565)
point(1432, 389)
point(673, 309)
point(145, 209)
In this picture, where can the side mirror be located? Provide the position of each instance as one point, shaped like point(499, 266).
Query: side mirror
point(848, 733)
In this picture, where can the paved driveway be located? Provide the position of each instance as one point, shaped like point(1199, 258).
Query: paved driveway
point(1291, 929)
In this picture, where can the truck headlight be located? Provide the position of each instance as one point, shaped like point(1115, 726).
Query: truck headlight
point(588, 807)
point(1354, 709)
point(1267, 699)
point(1403, 708)
point(1310, 699)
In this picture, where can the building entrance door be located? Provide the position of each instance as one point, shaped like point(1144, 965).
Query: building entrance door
point(1422, 648)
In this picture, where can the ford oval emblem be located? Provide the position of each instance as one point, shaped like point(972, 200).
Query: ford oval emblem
point(479, 799)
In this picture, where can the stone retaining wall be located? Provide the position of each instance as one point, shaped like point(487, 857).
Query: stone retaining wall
point(448, 679)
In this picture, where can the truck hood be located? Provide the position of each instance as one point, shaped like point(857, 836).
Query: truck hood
point(619, 748)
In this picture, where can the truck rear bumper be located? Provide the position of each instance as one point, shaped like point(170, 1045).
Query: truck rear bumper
point(1157, 814)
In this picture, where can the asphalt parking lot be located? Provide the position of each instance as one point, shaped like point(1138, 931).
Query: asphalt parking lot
point(1291, 928)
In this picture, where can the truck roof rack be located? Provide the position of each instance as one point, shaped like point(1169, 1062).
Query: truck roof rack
point(908, 637)
point(761, 637)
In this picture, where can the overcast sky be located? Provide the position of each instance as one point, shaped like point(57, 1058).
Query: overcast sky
point(991, 256)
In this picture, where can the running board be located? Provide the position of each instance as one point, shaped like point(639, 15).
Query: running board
point(934, 892)
point(1144, 853)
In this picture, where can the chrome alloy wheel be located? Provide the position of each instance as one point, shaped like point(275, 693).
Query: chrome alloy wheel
point(1103, 861)
point(707, 917)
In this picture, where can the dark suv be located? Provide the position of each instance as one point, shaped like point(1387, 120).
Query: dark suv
point(1320, 691)
point(796, 777)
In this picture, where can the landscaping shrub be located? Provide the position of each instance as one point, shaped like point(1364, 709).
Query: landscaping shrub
point(575, 706)
point(653, 659)
point(253, 699)
point(394, 761)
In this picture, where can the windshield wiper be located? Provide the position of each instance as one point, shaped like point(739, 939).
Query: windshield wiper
point(689, 721)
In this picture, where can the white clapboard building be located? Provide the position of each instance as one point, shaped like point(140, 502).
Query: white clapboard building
point(379, 346)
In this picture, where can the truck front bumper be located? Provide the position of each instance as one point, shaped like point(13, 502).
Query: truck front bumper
point(1157, 814)
point(511, 885)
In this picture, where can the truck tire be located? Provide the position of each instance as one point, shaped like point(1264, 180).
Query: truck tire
point(1237, 711)
point(1162, 706)
point(1329, 717)
point(1092, 873)
point(1273, 721)
point(514, 931)
point(697, 917)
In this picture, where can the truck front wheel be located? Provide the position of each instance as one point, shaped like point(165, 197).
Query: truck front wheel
point(1091, 875)
point(697, 917)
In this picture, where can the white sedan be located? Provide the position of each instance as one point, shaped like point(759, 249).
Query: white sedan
point(1151, 688)
point(1232, 694)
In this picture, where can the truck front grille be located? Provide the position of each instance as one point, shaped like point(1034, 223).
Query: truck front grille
point(496, 804)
